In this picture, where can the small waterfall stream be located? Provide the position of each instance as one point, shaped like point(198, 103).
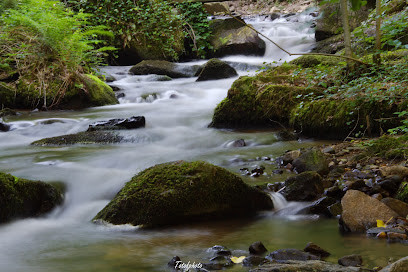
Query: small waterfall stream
point(177, 114)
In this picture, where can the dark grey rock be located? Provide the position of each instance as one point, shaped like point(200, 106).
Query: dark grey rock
point(115, 124)
point(311, 160)
point(216, 69)
point(314, 249)
point(253, 261)
point(306, 186)
point(257, 248)
point(290, 254)
point(351, 260)
point(4, 127)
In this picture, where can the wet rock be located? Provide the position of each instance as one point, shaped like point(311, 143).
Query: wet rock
point(396, 237)
point(109, 78)
point(115, 89)
point(354, 185)
point(290, 156)
point(158, 67)
point(86, 137)
point(335, 209)
point(173, 261)
point(391, 184)
point(231, 37)
point(253, 261)
point(116, 124)
point(401, 208)
point(334, 192)
point(314, 249)
point(329, 150)
point(306, 186)
point(319, 206)
point(4, 127)
point(290, 254)
point(216, 69)
point(166, 194)
point(351, 260)
point(304, 266)
point(257, 248)
point(375, 231)
point(21, 198)
point(286, 135)
point(257, 171)
point(237, 143)
point(120, 95)
point(218, 250)
point(361, 211)
point(377, 196)
point(312, 160)
point(218, 262)
point(399, 266)
point(277, 171)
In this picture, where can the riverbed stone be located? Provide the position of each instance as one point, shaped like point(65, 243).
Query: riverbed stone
point(290, 254)
point(216, 69)
point(311, 160)
point(253, 260)
point(158, 67)
point(351, 260)
point(400, 207)
point(304, 266)
point(177, 192)
point(361, 211)
point(86, 137)
point(4, 127)
point(257, 248)
point(21, 198)
point(306, 186)
point(402, 193)
point(314, 249)
point(399, 266)
point(116, 124)
point(319, 206)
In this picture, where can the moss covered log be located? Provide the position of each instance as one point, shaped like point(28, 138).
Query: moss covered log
point(177, 192)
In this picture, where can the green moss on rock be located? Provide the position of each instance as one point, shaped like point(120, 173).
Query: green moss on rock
point(86, 137)
point(21, 198)
point(336, 119)
point(7, 94)
point(176, 192)
point(311, 61)
point(402, 193)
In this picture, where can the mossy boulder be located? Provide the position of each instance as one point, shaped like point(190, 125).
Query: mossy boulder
point(306, 186)
point(312, 61)
point(266, 99)
point(20, 198)
point(216, 69)
point(231, 37)
point(86, 137)
point(7, 94)
point(177, 192)
point(337, 119)
point(311, 160)
point(158, 67)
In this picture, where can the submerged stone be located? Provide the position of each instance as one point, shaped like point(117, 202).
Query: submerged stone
point(20, 198)
point(177, 192)
point(86, 137)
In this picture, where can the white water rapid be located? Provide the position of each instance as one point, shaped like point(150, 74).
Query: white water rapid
point(177, 114)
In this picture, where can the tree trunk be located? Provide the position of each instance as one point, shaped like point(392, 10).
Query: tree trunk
point(377, 54)
point(346, 27)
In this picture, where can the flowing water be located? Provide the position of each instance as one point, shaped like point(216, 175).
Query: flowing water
point(177, 114)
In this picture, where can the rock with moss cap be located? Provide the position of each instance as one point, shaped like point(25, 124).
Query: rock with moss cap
point(85, 137)
point(159, 67)
point(231, 37)
point(20, 198)
point(177, 192)
point(216, 69)
point(265, 99)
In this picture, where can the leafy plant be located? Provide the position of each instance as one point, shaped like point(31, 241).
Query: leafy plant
point(49, 46)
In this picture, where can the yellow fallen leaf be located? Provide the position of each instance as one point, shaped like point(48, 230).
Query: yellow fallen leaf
point(237, 259)
point(380, 224)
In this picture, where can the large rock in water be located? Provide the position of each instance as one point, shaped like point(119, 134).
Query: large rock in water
point(20, 198)
point(306, 186)
point(85, 137)
point(176, 192)
point(216, 69)
point(231, 37)
point(158, 67)
point(117, 124)
point(361, 211)
point(399, 266)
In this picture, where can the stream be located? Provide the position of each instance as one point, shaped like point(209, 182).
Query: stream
point(177, 114)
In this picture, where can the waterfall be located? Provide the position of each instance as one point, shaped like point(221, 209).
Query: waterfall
point(283, 207)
